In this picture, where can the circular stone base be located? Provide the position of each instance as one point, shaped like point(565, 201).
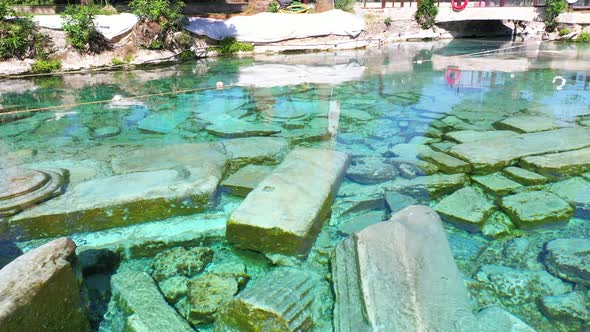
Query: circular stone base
point(17, 181)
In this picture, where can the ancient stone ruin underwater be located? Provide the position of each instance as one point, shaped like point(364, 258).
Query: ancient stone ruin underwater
point(400, 189)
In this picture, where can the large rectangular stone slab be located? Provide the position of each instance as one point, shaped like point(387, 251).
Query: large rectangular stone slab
point(558, 164)
point(536, 208)
point(430, 186)
point(529, 123)
point(465, 136)
point(284, 213)
point(494, 154)
point(446, 163)
point(145, 307)
point(119, 201)
point(468, 208)
point(576, 191)
point(400, 275)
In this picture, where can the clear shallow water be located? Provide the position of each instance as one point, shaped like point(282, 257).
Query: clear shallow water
point(364, 103)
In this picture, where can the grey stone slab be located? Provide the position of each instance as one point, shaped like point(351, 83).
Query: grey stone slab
point(446, 163)
point(496, 183)
point(163, 122)
point(147, 310)
point(119, 201)
point(530, 123)
point(284, 212)
point(495, 154)
point(232, 128)
point(400, 275)
point(242, 182)
point(575, 190)
point(524, 176)
point(40, 291)
point(466, 136)
point(568, 259)
point(559, 164)
point(430, 186)
point(255, 150)
point(494, 319)
point(536, 208)
point(468, 208)
point(361, 221)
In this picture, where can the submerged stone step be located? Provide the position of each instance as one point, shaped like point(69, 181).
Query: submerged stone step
point(40, 291)
point(536, 208)
point(559, 164)
point(468, 208)
point(255, 150)
point(431, 186)
point(576, 191)
point(465, 136)
point(496, 183)
point(524, 176)
point(446, 163)
point(246, 179)
point(400, 275)
point(119, 201)
point(530, 123)
point(495, 154)
point(283, 300)
point(284, 213)
point(146, 309)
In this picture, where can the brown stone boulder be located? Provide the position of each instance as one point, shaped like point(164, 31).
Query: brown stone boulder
point(39, 291)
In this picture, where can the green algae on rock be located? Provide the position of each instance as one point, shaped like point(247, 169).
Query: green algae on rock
point(559, 164)
point(536, 208)
point(496, 183)
point(207, 294)
point(468, 208)
point(119, 201)
point(530, 123)
point(255, 150)
point(242, 182)
point(284, 213)
point(139, 297)
point(575, 190)
point(430, 186)
point(465, 136)
point(287, 299)
point(40, 291)
point(371, 170)
point(180, 261)
point(524, 176)
point(379, 286)
point(568, 259)
point(568, 311)
point(446, 163)
point(498, 225)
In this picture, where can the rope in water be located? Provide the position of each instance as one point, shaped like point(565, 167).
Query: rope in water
point(173, 92)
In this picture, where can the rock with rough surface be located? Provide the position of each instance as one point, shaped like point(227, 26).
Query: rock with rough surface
point(529, 123)
point(465, 136)
point(207, 294)
point(428, 187)
point(138, 296)
point(536, 208)
point(569, 259)
point(524, 176)
point(576, 191)
point(400, 275)
point(39, 291)
point(571, 310)
point(559, 164)
point(371, 170)
point(446, 163)
point(495, 319)
point(255, 150)
point(284, 213)
point(284, 300)
point(242, 182)
point(496, 183)
point(180, 261)
point(468, 208)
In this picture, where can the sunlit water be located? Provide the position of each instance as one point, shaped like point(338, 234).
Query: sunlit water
point(360, 102)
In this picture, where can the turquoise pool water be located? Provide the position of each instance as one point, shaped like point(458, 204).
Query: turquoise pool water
point(144, 162)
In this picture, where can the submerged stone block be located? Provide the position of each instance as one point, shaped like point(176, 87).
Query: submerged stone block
point(576, 191)
point(536, 208)
point(39, 291)
point(530, 123)
point(232, 128)
point(371, 170)
point(494, 319)
point(559, 164)
point(400, 275)
point(464, 136)
point(139, 297)
point(496, 183)
point(524, 176)
point(283, 300)
point(284, 213)
point(446, 163)
point(431, 186)
point(494, 154)
point(568, 259)
point(255, 150)
point(242, 182)
point(468, 208)
point(119, 201)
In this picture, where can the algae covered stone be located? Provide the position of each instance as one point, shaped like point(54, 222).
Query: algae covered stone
point(430, 186)
point(287, 299)
point(497, 225)
point(536, 208)
point(371, 170)
point(445, 162)
point(468, 208)
point(496, 183)
point(284, 213)
point(138, 296)
point(529, 123)
point(524, 176)
point(559, 164)
point(569, 259)
point(180, 261)
point(570, 310)
point(242, 182)
point(255, 150)
point(206, 295)
point(464, 136)
point(400, 275)
point(576, 191)
point(119, 201)
point(40, 291)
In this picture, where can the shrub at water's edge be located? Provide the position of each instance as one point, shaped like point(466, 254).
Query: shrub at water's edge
point(45, 66)
point(159, 19)
point(19, 37)
point(552, 9)
point(583, 37)
point(346, 5)
point(426, 14)
point(81, 30)
point(230, 46)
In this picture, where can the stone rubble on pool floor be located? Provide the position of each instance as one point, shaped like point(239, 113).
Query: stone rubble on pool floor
point(468, 208)
point(119, 201)
point(284, 213)
point(242, 182)
point(40, 291)
point(524, 176)
point(496, 183)
point(570, 312)
point(569, 259)
point(379, 286)
point(140, 299)
point(446, 163)
point(536, 208)
point(287, 299)
point(559, 164)
point(576, 191)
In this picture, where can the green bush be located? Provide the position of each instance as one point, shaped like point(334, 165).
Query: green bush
point(273, 6)
point(79, 26)
point(564, 31)
point(118, 62)
point(426, 14)
point(46, 66)
point(19, 37)
point(346, 5)
point(583, 37)
point(552, 9)
point(168, 13)
point(230, 46)
point(387, 21)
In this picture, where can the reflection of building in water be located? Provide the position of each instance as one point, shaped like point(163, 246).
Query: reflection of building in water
point(476, 79)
